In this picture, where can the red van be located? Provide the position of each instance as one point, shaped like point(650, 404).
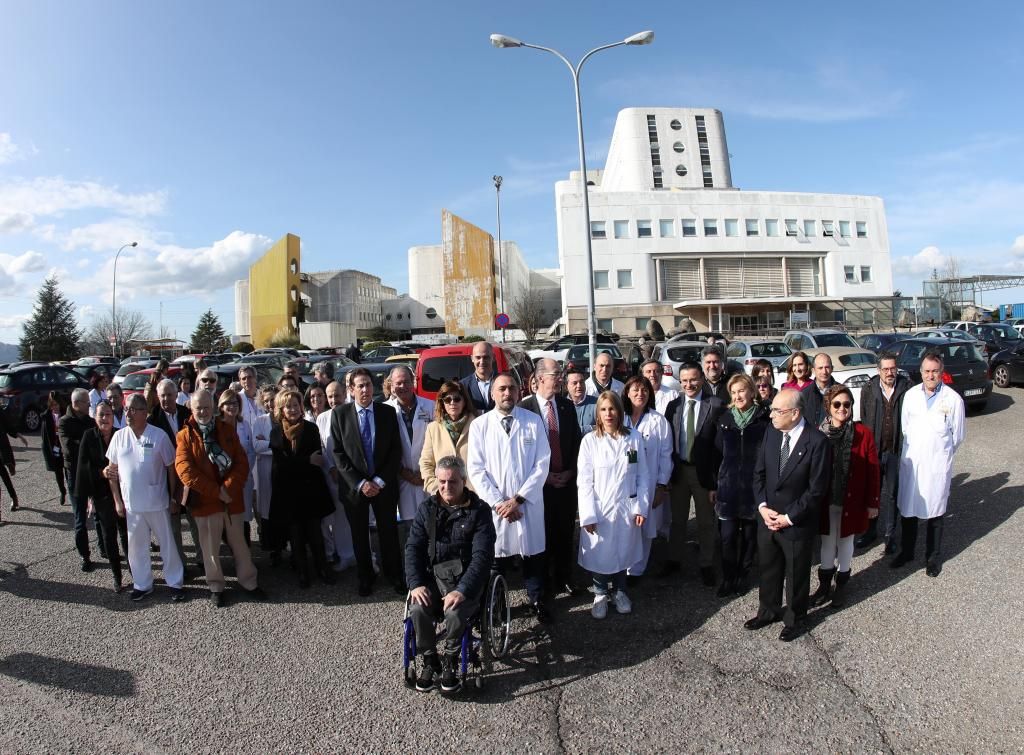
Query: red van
point(453, 363)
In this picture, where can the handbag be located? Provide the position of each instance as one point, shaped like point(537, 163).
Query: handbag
point(446, 573)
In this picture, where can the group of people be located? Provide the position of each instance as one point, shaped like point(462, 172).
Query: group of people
point(617, 466)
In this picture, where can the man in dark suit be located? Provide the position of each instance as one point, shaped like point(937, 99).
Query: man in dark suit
point(170, 416)
point(791, 478)
point(814, 410)
point(559, 417)
point(693, 418)
point(367, 455)
point(478, 385)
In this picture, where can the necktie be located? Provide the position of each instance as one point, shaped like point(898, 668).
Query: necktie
point(689, 428)
point(367, 438)
point(556, 448)
point(784, 453)
point(506, 422)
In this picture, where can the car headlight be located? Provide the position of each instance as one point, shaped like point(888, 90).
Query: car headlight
point(857, 381)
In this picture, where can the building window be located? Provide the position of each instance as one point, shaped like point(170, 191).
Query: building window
point(678, 147)
point(851, 273)
point(605, 324)
point(771, 227)
point(827, 228)
point(621, 229)
point(732, 227)
point(844, 229)
point(865, 274)
point(809, 229)
point(680, 170)
point(862, 229)
point(752, 229)
point(689, 227)
point(675, 125)
point(640, 323)
point(643, 229)
point(667, 228)
point(711, 227)
point(624, 278)
point(597, 229)
point(601, 278)
point(790, 227)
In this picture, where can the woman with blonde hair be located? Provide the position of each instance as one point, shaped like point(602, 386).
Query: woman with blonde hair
point(448, 434)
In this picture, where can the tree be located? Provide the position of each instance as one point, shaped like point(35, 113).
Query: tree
point(209, 336)
point(283, 338)
point(131, 325)
point(244, 347)
point(51, 333)
point(527, 311)
point(380, 333)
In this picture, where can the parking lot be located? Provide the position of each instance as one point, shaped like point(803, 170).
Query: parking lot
point(911, 664)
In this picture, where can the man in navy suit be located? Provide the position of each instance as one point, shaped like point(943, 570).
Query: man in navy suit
point(791, 479)
point(478, 385)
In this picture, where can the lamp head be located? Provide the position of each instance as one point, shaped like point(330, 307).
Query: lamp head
point(135, 243)
point(500, 40)
point(497, 181)
point(643, 38)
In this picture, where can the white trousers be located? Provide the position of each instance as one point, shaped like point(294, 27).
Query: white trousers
point(142, 526)
point(338, 536)
point(833, 547)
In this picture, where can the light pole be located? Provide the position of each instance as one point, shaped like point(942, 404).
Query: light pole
point(113, 301)
point(643, 38)
point(501, 254)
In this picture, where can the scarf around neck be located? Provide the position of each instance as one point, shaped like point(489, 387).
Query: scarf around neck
point(220, 460)
point(744, 417)
point(455, 427)
point(292, 430)
point(841, 439)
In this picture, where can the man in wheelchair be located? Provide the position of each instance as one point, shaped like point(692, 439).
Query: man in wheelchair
point(448, 560)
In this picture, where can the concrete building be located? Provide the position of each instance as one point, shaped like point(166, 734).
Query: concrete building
point(346, 296)
point(243, 330)
point(674, 239)
point(273, 292)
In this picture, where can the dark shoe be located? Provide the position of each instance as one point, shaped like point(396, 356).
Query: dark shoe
point(365, 588)
point(824, 592)
point(574, 591)
point(303, 583)
point(839, 594)
point(900, 561)
point(933, 569)
point(758, 622)
point(726, 589)
point(450, 682)
point(256, 593)
point(431, 669)
point(327, 577)
point(741, 584)
point(63, 500)
point(117, 585)
point(400, 589)
point(867, 539)
point(541, 612)
point(707, 576)
point(14, 506)
point(178, 595)
point(87, 565)
point(217, 598)
point(788, 634)
point(139, 595)
point(670, 568)
point(891, 547)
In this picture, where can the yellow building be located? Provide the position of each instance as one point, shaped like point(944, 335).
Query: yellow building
point(468, 280)
point(274, 288)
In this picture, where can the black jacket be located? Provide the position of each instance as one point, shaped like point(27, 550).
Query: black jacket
point(482, 403)
point(298, 489)
point(53, 459)
point(872, 410)
point(739, 449)
point(465, 533)
point(569, 437)
point(92, 460)
point(350, 459)
point(803, 484)
point(705, 455)
point(70, 430)
point(815, 410)
point(157, 418)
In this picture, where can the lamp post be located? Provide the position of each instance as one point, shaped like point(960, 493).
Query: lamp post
point(113, 300)
point(642, 38)
point(501, 254)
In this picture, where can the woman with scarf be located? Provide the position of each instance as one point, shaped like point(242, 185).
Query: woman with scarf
point(229, 407)
point(213, 467)
point(738, 439)
point(853, 496)
point(448, 434)
point(299, 497)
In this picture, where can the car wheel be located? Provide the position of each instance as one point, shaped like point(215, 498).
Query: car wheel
point(1001, 376)
point(32, 419)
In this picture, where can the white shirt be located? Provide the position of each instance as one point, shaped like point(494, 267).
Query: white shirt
point(682, 421)
point(142, 467)
point(663, 397)
point(172, 420)
point(543, 404)
point(183, 398)
point(592, 390)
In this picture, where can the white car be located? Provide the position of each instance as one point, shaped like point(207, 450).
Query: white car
point(748, 353)
point(853, 368)
point(558, 349)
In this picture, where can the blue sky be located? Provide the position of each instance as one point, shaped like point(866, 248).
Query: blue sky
point(206, 130)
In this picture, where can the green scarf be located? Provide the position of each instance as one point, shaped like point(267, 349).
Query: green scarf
point(455, 428)
point(744, 417)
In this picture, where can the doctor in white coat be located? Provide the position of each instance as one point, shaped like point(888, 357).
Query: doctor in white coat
point(933, 429)
point(614, 498)
point(259, 427)
point(336, 530)
point(414, 414)
point(509, 458)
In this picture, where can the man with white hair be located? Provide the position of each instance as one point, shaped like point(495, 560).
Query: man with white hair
point(250, 388)
point(663, 394)
point(70, 429)
point(601, 379)
point(324, 373)
point(414, 414)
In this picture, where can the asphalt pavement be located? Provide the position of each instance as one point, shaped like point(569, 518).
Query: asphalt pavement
point(911, 664)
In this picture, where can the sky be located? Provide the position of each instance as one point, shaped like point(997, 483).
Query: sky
point(205, 130)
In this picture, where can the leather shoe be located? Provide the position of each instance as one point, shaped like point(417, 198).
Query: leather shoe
point(670, 568)
point(365, 589)
point(758, 622)
point(900, 561)
point(541, 612)
point(933, 569)
point(788, 634)
point(707, 576)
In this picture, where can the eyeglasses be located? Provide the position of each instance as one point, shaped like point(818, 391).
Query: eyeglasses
point(207, 380)
point(776, 410)
point(841, 404)
point(452, 399)
point(229, 405)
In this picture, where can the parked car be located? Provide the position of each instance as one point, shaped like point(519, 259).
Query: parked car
point(287, 351)
point(966, 368)
point(995, 337)
point(101, 368)
point(1007, 366)
point(702, 337)
point(89, 361)
point(674, 354)
point(578, 358)
point(959, 335)
point(130, 367)
point(748, 353)
point(383, 352)
point(877, 342)
point(378, 371)
point(407, 359)
point(24, 391)
point(818, 338)
point(275, 359)
point(227, 374)
point(306, 365)
point(135, 382)
point(557, 349)
point(442, 363)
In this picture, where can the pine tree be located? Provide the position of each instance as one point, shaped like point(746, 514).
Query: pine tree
point(51, 334)
point(209, 335)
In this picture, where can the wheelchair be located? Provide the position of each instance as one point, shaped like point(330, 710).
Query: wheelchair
point(485, 639)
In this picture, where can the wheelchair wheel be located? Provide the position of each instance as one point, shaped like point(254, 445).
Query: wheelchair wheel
point(497, 619)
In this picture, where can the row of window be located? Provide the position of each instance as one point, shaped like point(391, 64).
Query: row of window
point(850, 271)
point(729, 227)
point(624, 278)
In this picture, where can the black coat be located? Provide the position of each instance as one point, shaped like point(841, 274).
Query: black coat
point(803, 484)
point(6, 433)
point(815, 410)
point(739, 449)
point(350, 460)
point(465, 533)
point(70, 430)
point(92, 460)
point(705, 455)
point(299, 489)
point(569, 437)
point(872, 411)
point(52, 456)
point(157, 418)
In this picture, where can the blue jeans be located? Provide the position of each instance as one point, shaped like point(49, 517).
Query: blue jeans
point(617, 581)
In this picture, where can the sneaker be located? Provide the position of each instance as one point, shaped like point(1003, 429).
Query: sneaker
point(138, 595)
point(178, 595)
point(450, 681)
point(622, 602)
point(427, 678)
point(600, 608)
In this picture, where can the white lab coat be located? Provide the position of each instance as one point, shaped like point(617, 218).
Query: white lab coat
point(334, 527)
point(244, 430)
point(930, 439)
point(663, 397)
point(504, 466)
point(657, 435)
point(261, 426)
point(612, 491)
point(617, 387)
point(411, 496)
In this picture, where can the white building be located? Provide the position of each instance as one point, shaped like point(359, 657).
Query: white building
point(673, 239)
point(346, 296)
point(243, 331)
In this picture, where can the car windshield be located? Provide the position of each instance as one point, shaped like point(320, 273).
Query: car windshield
point(684, 353)
point(860, 359)
point(765, 350)
point(438, 369)
point(1007, 333)
point(964, 353)
point(582, 351)
point(7, 379)
point(835, 339)
point(136, 381)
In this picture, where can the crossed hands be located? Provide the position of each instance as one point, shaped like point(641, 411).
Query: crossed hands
point(773, 519)
point(509, 510)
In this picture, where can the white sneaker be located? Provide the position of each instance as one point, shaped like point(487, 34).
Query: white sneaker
point(600, 608)
point(622, 602)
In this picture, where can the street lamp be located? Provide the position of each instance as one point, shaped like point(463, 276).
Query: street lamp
point(642, 38)
point(113, 301)
point(501, 255)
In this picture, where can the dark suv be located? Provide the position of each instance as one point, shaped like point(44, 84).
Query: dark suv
point(966, 369)
point(24, 391)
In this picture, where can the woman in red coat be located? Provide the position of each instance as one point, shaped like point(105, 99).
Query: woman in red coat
point(852, 498)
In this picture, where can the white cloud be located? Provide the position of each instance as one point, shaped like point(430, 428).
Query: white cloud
point(13, 321)
point(1018, 246)
point(920, 264)
point(14, 222)
point(27, 262)
point(105, 236)
point(53, 196)
point(9, 151)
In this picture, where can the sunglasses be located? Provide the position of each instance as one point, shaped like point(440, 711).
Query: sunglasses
point(207, 380)
point(841, 404)
point(452, 399)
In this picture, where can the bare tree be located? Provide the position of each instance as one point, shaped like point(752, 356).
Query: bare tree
point(527, 311)
point(131, 325)
point(950, 290)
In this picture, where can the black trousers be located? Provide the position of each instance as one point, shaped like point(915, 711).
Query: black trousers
point(784, 560)
point(59, 475)
point(113, 527)
point(559, 527)
point(739, 544)
point(79, 507)
point(534, 568)
point(888, 513)
point(305, 533)
point(384, 511)
point(5, 474)
point(933, 543)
